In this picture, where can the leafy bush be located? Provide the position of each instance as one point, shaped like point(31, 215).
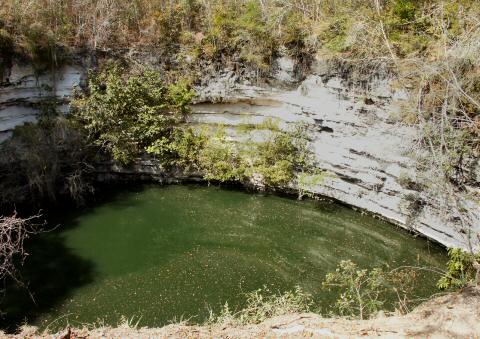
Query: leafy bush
point(249, 31)
point(187, 146)
point(462, 269)
point(282, 155)
point(220, 160)
point(360, 290)
point(404, 11)
point(128, 116)
point(39, 45)
point(241, 29)
point(364, 292)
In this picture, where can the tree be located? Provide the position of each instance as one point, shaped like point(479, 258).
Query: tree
point(131, 115)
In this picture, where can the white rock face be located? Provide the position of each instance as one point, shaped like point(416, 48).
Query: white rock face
point(22, 90)
point(354, 136)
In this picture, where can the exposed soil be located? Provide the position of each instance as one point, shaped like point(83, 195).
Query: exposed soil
point(456, 315)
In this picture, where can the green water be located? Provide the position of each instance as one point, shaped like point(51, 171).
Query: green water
point(163, 253)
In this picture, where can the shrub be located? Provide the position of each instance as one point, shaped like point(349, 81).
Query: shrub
point(404, 11)
point(13, 233)
point(359, 290)
point(462, 269)
point(364, 292)
point(282, 155)
point(187, 147)
point(220, 160)
point(130, 115)
point(241, 29)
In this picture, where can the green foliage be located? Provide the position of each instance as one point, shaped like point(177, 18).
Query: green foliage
point(461, 269)
point(404, 11)
point(334, 37)
point(408, 32)
point(294, 34)
point(360, 290)
point(187, 146)
point(307, 180)
point(261, 305)
point(220, 160)
point(280, 159)
point(241, 28)
point(269, 124)
point(127, 116)
point(276, 159)
point(39, 44)
point(282, 155)
point(249, 31)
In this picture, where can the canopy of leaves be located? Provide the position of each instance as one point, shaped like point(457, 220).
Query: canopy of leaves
point(128, 116)
point(282, 155)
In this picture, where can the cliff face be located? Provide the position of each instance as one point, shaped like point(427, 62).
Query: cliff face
point(355, 135)
point(22, 90)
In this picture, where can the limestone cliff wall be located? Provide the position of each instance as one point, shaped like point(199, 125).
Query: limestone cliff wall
point(22, 89)
point(355, 135)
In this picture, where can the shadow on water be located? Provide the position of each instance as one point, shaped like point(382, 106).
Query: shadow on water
point(191, 254)
point(50, 272)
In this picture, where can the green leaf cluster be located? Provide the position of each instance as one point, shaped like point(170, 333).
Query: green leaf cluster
point(276, 161)
point(284, 154)
point(220, 160)
point(241, 28)
point(130, 115)
point(461, 269)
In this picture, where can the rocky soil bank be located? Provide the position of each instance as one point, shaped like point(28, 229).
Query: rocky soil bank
point(456, 315)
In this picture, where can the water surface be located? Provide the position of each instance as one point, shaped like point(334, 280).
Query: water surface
point(161, 253)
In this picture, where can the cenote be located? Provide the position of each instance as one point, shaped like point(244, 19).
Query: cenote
point(155, 254)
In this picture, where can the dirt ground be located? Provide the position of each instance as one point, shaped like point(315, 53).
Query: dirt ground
point(456, 315)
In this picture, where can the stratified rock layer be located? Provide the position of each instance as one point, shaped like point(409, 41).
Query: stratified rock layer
point(355, 134)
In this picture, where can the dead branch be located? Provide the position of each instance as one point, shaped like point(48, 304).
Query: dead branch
point(13, 233)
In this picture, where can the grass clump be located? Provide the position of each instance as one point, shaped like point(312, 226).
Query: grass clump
point(282, 155)
point(261, 305)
